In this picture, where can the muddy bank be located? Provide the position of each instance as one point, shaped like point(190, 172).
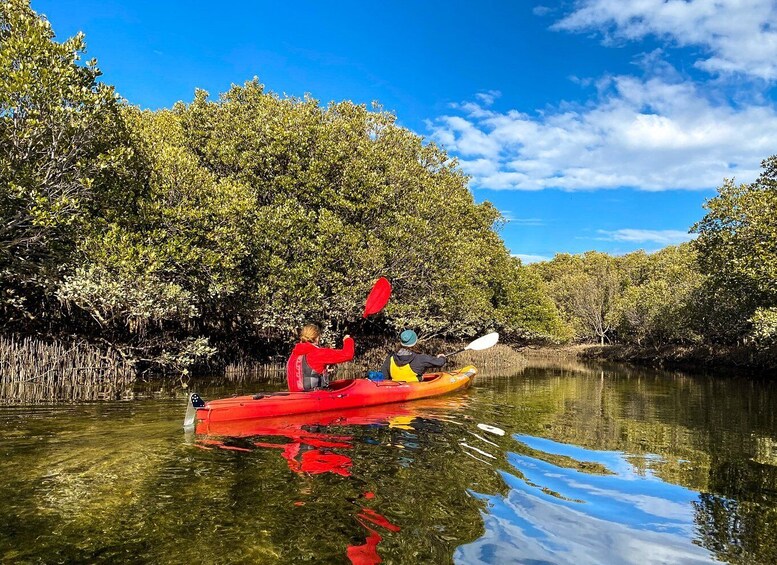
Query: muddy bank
point(681, 357)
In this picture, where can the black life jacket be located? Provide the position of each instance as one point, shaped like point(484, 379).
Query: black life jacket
point(311, 380)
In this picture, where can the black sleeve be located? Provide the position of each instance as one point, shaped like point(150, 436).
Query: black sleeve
point(434, 361)
point(421, 363)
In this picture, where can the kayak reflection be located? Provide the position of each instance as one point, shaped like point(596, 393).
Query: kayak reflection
point(311, 449)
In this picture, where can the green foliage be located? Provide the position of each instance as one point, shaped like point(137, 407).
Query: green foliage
point(737, 248)
point(657, 307)
point(522, 303)
point(648, 300)
point(343, 195)
point(721, 288)
point(65, 158)
point(179, 262)
point(585, 288)
point(221, 222)
point(738, 236)
point(764, 331)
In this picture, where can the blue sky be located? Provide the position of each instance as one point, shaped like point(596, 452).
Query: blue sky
point(591, 124)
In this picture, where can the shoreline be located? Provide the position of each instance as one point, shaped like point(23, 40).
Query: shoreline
point(699, 358)
point(52, 371)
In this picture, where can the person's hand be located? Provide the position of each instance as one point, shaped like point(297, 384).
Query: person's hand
point(441, 355)
point(346, 336)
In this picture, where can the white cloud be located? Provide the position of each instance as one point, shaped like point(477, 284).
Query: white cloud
point(653, 133)
point(526, 221)
point(510, 217)
point(541, 10)
point(527, 259)
point(738, 36)
point(662, 237)
point(471, 140)
point(488, 97)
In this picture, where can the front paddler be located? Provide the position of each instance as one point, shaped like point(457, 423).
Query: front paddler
point(308, 365)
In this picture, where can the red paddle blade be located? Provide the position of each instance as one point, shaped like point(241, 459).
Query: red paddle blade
point(378, 297)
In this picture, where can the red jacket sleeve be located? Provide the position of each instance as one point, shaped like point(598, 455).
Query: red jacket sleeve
point(325, 356)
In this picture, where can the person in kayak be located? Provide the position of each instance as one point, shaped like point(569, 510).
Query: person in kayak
point(308, 365)
point(406, 364)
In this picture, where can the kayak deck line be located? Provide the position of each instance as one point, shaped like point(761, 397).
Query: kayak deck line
point(340, 395)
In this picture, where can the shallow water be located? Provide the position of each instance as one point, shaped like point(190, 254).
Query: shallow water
point(559, 464)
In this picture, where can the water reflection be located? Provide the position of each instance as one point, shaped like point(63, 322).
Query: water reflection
point(560, 464)
point(637, 459)
point(367, 553)
point(309, 449)
point(552, 511)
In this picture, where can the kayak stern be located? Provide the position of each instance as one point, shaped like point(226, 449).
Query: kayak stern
point(192, 404)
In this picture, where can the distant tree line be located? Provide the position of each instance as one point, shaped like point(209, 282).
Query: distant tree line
point(720, 289)
point(223, 225)
point(220, 226)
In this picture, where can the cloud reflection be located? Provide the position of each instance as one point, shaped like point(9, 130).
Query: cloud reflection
point(560, 515)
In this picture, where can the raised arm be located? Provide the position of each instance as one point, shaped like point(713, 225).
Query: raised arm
point(329, 356)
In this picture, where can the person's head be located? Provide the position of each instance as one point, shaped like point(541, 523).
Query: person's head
point(309, 333)
point(408, 338)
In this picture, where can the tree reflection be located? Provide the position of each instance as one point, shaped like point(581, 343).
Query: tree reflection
point(714, 436)
point(737, 532)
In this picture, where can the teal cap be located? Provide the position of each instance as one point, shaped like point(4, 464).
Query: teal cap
point(408, 338)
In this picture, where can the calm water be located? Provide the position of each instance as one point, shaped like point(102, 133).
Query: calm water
point(563, 464)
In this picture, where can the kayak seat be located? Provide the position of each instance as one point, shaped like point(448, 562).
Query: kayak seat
point(341, 384)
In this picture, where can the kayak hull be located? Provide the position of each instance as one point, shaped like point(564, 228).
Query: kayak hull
point(341, 395)
point(394, 415)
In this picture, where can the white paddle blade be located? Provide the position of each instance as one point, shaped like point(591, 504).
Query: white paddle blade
point(484, 342)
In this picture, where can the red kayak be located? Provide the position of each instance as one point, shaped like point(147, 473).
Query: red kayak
point(340, 395)
point(396, 415)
